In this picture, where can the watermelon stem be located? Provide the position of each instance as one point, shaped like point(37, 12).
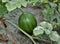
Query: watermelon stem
point(22, 31)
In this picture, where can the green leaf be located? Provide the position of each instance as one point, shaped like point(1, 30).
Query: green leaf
point(47, 27)
point(0, 1)
point(58, 42)
point(18, 5)
point(54, 36)
point(38, 31)
point(53, 5)
point(47, 31)
point(5, 0)
point(43, 1)
point(3, 10)
point(55, 0)
point(48, 13)
point(11, 5)
point(59, 7)
point(34, 2)
point(23, 2)
point(58, 0)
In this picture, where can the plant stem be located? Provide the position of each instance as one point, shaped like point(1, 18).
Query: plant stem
point(41, 39)
point(22, 31)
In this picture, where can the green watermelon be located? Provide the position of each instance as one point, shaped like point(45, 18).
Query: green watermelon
point(27, 22)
